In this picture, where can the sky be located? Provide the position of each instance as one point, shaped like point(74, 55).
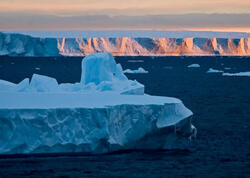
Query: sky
point(217, 15)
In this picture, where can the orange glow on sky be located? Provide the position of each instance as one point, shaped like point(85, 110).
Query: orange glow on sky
point(111, 8)
point(75, 7)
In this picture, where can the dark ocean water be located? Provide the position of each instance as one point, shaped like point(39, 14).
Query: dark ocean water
point(221, 107)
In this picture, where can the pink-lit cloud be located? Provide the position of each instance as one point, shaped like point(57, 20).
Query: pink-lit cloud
point(223, 15)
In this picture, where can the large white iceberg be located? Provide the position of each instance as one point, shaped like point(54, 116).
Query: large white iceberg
point(44, 117)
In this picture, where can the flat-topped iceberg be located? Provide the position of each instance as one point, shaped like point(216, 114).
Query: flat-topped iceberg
point(104, 112)
point(96, 123)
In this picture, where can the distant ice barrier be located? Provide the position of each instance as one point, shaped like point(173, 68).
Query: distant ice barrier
point(23, 45)
point(41, 116)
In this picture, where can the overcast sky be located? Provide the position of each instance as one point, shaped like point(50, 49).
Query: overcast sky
point(125, 14)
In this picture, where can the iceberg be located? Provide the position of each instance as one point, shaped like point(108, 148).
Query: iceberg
point(140, 70)
point(94, 123)
point(101, 70)
point(99, 73)
point(194, 66)
point(102, 113)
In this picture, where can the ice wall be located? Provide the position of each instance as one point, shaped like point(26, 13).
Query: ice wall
point(55, 123)
point(21, 45)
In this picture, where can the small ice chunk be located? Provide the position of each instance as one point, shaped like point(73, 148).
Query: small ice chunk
point(7, 86)
point(23, 85)
point(194, 66)
point(37, 68)
point(42, 83)
point(71, 87)
point(140, 70)
point(240, 74)
point(135, 61)
point(11, 87)
point(211, 70)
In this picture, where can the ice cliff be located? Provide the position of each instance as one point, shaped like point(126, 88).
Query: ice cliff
point(41, 116)
point(22, 45)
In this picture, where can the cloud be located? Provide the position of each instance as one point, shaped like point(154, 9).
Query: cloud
point(116, 7)
point(27, 21)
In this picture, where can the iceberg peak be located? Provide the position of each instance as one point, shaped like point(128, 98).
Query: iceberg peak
point(101, 67)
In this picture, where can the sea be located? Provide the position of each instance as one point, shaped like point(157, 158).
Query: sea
point(221, 107)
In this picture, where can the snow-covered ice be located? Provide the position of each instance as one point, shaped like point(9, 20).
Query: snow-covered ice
point(140, 70)
point(99, 73)
point(104, 112)
point(100, 67)
point(101, 70)
point(41, 83)
point(194, 65)
point(211, 70)
point(240, 74)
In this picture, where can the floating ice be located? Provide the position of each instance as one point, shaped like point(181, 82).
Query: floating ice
point(194, 65)
point(100, 73)
point(140, 70)
point(102, 113)
point(240, 74)
point(91, 122)
point(211, 70)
